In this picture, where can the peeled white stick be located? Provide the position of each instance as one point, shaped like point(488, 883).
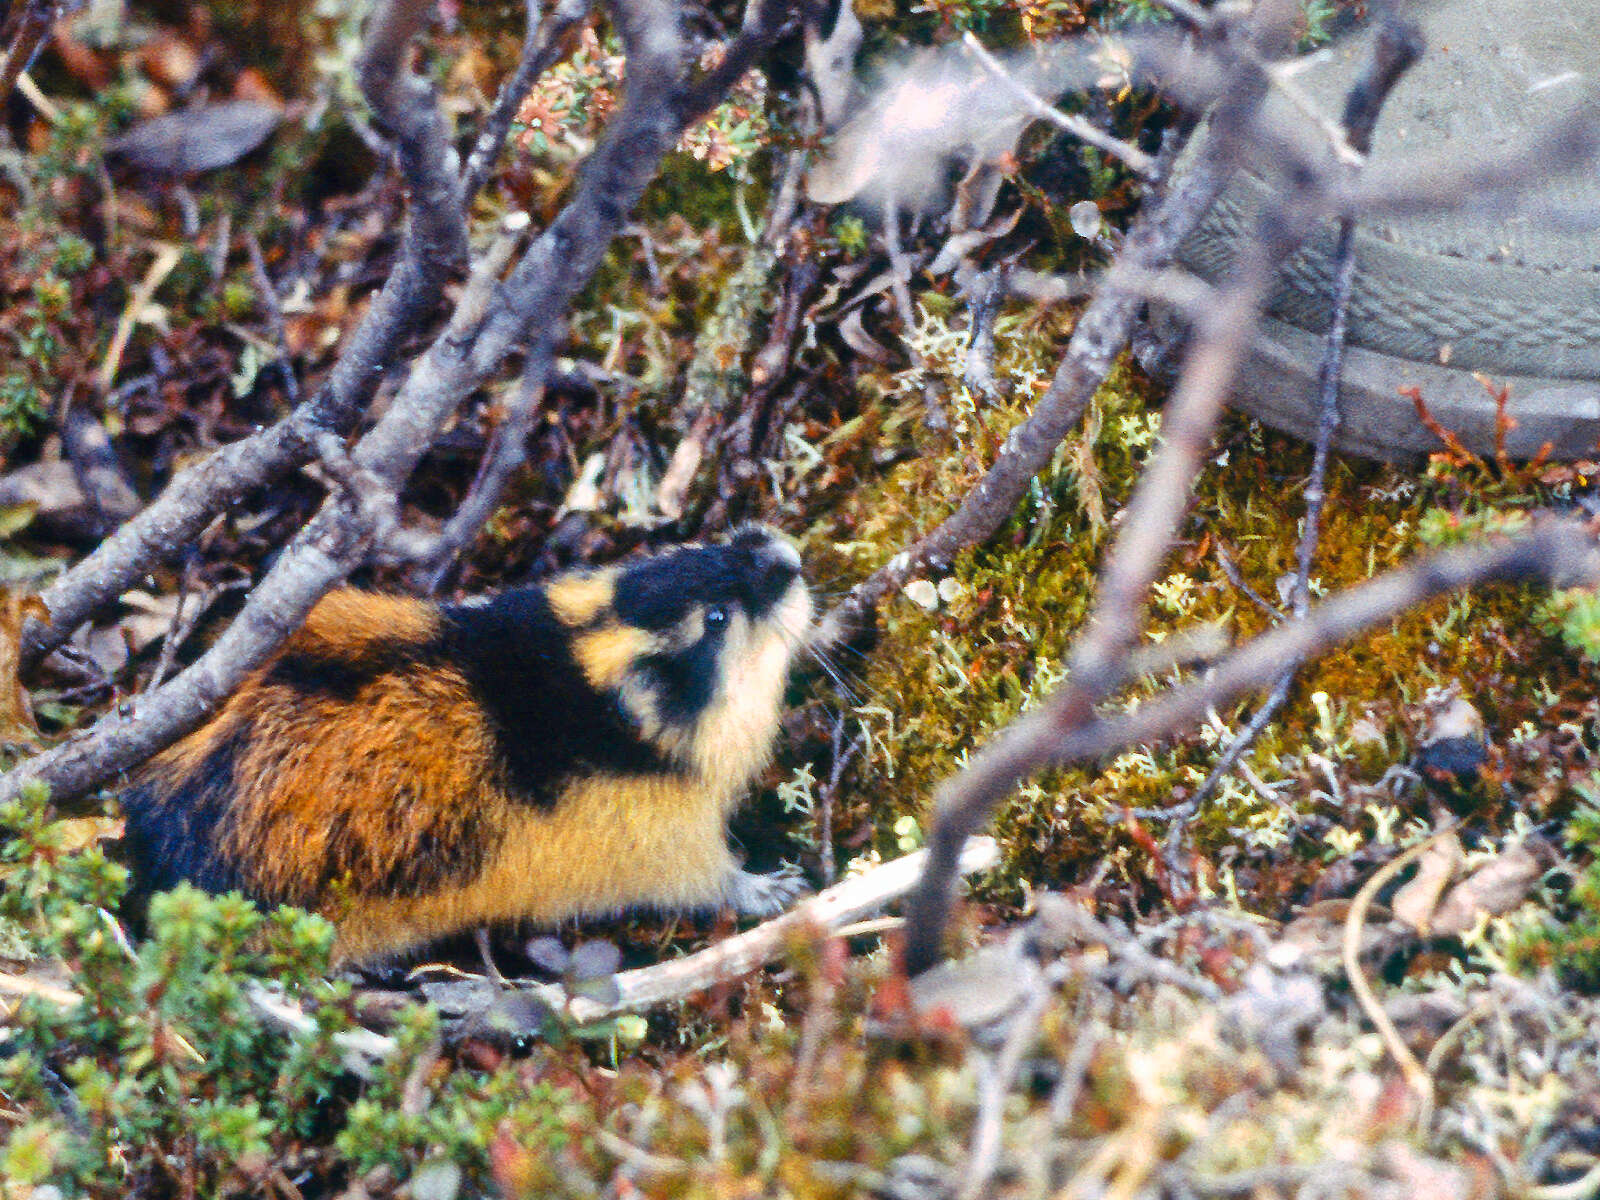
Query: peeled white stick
point(732, 957)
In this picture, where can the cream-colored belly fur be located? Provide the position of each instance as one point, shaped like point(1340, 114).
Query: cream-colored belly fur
point(609, 844)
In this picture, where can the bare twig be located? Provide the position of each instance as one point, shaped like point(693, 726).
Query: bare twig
point(1131, 156)
point(52, 993)
point(637, 990)
point(900, 268)
point(1179, 814)
point(321, 555)
point(167, 257)
point(841, 759)
point(361, 1049)
point(676, 979)
point(178, 629)
point(995, 1081)
point(1398, 47)
point(1584, 1186)
point(96, 467)
point(277, 326)
point(1236, 577)
point(1350, 951)
point(764, 21)
point(507, 452)
point(26, 32)
point(543, 43)
point(656, 108)
point(1089, 1020)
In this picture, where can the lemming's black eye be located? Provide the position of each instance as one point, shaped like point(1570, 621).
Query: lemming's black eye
point(716, 616)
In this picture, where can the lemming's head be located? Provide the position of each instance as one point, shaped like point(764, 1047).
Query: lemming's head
point(696, 642)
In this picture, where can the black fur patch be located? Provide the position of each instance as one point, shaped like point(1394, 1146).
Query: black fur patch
point(406, 861)
point(684, 683)
point(173, 831)
point(751, 570)
point(339, 678)
point(550, 725)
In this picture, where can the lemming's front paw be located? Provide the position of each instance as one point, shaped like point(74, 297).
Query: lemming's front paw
point(764, 895)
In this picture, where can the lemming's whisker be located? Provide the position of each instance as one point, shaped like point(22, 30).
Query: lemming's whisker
point(828, 652)
point(859, 687)
point(849, 649)
point(834, 672)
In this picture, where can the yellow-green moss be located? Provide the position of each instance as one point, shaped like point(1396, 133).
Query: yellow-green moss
point(940, 682)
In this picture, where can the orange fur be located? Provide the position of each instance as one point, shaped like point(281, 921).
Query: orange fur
point(348, 622)
point(183, 758)
point(346, 625)
point(323, 779)
point(579, 598)
point(607, 654)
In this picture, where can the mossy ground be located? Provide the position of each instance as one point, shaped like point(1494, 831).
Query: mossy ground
point(937, 682)
point(812, 1081)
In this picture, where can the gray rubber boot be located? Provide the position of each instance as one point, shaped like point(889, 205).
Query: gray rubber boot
point(1439, 298)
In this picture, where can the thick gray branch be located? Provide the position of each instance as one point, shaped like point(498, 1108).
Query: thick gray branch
point(433, 246)
point(493, 317)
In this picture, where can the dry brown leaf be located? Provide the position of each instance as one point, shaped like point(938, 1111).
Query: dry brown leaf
point(94, 68)
point(16, 713)
point(253, 85)
point(79, 833)
point(104, 646)
point(171, 61)
point(197, 139)
point(51, 487)
point(673, 489)
point(1318, 931)
point(1415, 903)
point(1495, 888)
point(1086, 469)
point(147, 619)
point(473, 68)
point(151, 617)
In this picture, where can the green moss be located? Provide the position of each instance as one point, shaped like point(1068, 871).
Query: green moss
point(704, 198)
point(946, 679)
point(1568, 940)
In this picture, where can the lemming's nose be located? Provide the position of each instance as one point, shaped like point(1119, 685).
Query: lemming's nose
point(777, 564)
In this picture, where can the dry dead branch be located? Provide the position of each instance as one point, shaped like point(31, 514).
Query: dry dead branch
point(662, 97)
